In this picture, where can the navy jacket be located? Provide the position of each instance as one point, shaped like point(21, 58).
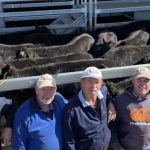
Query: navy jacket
point(131, 130)
point(84, 128)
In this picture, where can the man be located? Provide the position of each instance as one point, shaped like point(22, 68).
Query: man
point(38, 122)
point(85, 117)
point(7, 109)
point(132, 128)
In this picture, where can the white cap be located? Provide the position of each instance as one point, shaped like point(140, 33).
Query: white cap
point(46, 80)
point(92, 72)
point(142, 72)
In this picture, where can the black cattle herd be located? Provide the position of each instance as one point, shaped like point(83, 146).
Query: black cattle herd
point(35, 53)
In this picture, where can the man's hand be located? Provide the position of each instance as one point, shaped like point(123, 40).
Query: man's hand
point(111, 112)
point(6, 136)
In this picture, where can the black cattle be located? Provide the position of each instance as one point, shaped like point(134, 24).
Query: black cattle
point(80, 44)
point(9, 52)
point(118, 88)
point(135, 38)
point(104, 41)
point(127, 55)
point(54, 68)
point(29, 62)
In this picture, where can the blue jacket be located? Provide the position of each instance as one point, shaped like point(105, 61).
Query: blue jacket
point(35, 130)
point(84, 128)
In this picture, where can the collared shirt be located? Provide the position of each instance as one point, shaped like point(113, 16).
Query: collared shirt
point(83, 127)
point(84, 101)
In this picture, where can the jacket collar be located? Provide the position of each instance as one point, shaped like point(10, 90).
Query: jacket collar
point(84, 102)
point(35, 106)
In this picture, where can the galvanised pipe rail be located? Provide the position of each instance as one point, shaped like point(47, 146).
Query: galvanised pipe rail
point(64, 78)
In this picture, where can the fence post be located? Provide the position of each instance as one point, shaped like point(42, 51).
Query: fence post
point(95, 15)
point(90, 14)
point(86, 14)
point(2, 23)
point(77, 2)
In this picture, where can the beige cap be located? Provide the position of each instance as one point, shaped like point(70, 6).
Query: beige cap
point(142, 72)
point(46, 80)
point(92, 72)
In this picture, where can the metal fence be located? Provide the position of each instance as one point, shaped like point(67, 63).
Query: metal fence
point(64, 78)
point(29, 10)
point(132, 10)
point(93, 12)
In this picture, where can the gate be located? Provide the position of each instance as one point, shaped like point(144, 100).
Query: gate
point(70, 14)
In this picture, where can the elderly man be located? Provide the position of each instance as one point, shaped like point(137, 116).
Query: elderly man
point(85, 117)
point(132, 128)
point(38, 122)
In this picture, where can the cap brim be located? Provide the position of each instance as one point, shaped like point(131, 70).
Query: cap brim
point(46, 85)
point(95, 77)
point(142, 76)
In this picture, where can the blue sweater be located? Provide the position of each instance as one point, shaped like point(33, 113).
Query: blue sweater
point(35, 130)
point(84, 128)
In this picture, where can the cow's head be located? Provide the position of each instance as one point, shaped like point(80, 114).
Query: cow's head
point(22, 53)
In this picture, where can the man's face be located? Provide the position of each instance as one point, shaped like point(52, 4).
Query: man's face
point(45, 95)
point(90, 86)
point(141, 86)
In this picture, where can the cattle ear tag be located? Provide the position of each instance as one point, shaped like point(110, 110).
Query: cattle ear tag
point(1, 82)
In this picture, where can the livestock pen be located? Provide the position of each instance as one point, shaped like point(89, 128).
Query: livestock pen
point(78, 15)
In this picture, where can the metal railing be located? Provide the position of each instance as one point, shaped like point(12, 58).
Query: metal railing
point(92, 10)
point(46, 11)
point(117, 7)
point(64, 78)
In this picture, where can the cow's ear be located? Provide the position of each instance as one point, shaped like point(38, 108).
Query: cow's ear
point(5, 70)
point(104, 42)
point(9, 72)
